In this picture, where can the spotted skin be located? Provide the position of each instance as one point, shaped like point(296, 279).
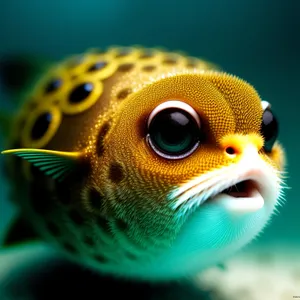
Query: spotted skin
point(115, 214)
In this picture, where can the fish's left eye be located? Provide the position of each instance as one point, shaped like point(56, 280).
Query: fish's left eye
point(269, 129)
point(173, 130)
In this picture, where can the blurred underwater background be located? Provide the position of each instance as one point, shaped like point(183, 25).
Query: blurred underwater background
point(258, 41)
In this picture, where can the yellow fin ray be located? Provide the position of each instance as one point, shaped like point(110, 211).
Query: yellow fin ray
point(56, 164)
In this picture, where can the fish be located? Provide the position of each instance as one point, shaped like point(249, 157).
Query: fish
point(143, 163)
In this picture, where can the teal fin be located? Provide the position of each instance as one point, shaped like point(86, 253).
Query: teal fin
point(19, 232)
point(56, 164)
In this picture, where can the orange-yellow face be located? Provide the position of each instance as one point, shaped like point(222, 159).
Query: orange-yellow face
point(193, 169)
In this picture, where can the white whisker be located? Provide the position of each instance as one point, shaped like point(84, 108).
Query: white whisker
point(195, 192)
point(196, 181)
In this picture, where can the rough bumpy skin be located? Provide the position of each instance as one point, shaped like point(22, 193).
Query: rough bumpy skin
point(117, 213)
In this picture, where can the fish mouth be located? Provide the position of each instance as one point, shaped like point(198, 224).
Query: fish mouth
point(246, 195)
point(242, 189)
point(246, 186)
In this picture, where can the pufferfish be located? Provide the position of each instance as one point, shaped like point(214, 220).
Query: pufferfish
point(143, 163)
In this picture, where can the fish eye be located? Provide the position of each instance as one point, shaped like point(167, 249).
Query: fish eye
point(269, 128)
point(173, 130)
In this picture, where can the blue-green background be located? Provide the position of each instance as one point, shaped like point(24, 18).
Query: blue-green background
point(258, 40)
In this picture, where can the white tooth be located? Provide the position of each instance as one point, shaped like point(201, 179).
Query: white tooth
point(241, 205)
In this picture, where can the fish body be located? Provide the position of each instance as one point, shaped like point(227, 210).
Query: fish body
point(143, 163)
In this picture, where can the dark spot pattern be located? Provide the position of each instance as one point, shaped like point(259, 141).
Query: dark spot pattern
point(125, 67)
point(89, 241)
point(69, 248)
point(32, 104)
point(41, 126)
point(124, 93)
point(103, 224)
point(53, 228)
point(116, 173)
point(149, 68)
point(100, 258)
point(95, 199)
point(102, 133)
point(55, 102)
point(97, 66)
point(81, 92)
point(76, 217)
point(121, 225)
point(169, 61)
point(53, 85)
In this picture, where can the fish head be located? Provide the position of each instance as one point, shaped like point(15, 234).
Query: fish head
point(191, 165)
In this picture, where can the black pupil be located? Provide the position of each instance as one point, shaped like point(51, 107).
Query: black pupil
point(97, 66)
point(174, 131)
point(269, 129)
point(41, 126)
point(53, 85)
point(81, 92)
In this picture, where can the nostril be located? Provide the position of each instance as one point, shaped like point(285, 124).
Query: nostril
point(230, 150)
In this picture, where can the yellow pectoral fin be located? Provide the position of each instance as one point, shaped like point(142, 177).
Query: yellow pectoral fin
point(56, 164)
